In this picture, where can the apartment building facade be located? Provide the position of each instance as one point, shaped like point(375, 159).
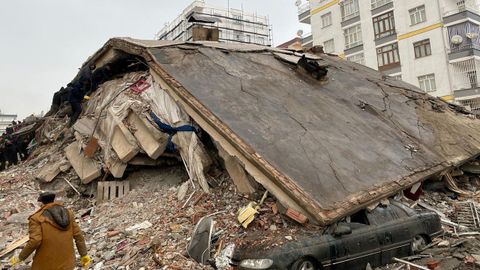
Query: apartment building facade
point(234, 25)
point(5, 121)
point(433, 44)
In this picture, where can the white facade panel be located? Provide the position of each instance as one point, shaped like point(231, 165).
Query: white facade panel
point(429, 23)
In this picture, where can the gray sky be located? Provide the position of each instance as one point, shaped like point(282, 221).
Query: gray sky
point(43, 43)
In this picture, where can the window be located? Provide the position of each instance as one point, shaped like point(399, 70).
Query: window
point(326, 19)
point(427, 83)
point(397, 77)
point(472, 78)
point(237, 18)
point(417, 15)
point(384, 25)
point(353, 36)
point(349, 9)
point(261, 40)
point(379, 3)
point(329, 46)
point(237, 35)
point(248, 38)
point(388, 56)
point(422, 48)
point(357, 58)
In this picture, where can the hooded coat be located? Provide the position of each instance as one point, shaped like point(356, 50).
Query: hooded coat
point(52, 230)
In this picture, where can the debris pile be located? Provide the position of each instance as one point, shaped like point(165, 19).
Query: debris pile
point(454, 197)
point(196, 148)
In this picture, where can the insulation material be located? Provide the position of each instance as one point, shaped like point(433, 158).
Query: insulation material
point(188, 144)
point(119, 118)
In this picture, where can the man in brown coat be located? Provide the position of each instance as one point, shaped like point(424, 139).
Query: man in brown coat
point(52, 230)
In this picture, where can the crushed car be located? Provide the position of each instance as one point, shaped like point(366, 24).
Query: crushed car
point(374, 238)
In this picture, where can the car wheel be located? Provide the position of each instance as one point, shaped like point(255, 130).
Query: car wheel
point(304, 264)
point(418, 244)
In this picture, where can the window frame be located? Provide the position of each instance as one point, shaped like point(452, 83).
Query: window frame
point(427, 78)
point(378, 22)
point(333, 44)
point(326, 15)
point(360, 60)
point(375, 5)
point(352, 5)
point(392, 53)
point(357, 32)
point(419, 10)
point(424, 48)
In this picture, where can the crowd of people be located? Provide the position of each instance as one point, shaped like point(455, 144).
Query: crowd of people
point(13, 148)
point(86, 82)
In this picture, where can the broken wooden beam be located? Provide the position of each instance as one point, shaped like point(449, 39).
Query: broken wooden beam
point(11, 247)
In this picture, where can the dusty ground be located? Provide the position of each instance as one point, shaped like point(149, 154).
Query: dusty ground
point(169, 222)
point(153, 199)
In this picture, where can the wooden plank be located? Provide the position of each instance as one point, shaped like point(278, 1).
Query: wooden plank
point(11, 247)
point(106, 191)
point(126, 187)
point(100, 187)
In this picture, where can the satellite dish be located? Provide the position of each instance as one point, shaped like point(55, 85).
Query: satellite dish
point(300, 33)
point(457, 39)
point(472, 35)
point(298, 3)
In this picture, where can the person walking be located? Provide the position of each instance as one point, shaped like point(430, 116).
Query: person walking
point(52, 230)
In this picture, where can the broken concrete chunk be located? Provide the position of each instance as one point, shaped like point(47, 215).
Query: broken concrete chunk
point(182, 191)
point(116, 168)
point(50, 171)
point(236, 172)
point(153, 143)
point(140, 226)
point(86, 168)
point(121, 143)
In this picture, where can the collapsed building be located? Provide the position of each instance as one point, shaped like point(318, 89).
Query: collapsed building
point(324, 137)
point(323, 147)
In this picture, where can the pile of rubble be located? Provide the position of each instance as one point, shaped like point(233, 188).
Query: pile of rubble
point(149, 164)
point(149, 227)
point(454, 197)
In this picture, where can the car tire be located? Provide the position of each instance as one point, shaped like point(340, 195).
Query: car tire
point(304, 264)
point(418, 244)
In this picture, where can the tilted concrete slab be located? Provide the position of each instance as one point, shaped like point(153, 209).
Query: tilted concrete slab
point(152, 142)
point(327, 148)
point(86, 168)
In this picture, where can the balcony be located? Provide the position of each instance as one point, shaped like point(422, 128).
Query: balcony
point(304, 13)
point(379, 3)
point(307, 41)
point(466, 78)
point(464, 39)
point(465, 9)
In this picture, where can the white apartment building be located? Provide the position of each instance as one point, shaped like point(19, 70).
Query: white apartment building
point(234, 25)
point(5, 121)
point(433, 44)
